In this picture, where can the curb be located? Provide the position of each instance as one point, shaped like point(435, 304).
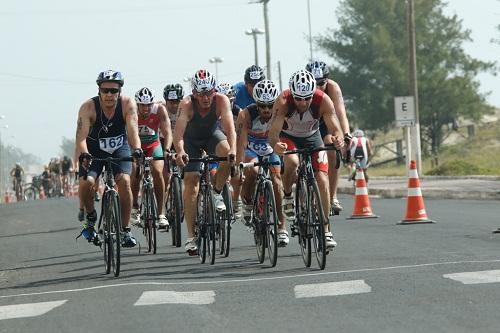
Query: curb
point(479, 177)
point(434, 193)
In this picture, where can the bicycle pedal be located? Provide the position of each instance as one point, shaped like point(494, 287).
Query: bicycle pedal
point(192, 253)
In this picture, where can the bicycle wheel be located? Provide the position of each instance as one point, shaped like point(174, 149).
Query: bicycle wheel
point(271, 223)
point(211, 224)
point(30, 193)
point(201, 227)
point(115, 225)
point(301, 202)
point(176, 214)
point(259, 220)
point(317, 224)
point(106, 233)
point(227, 223)
point(152, 216)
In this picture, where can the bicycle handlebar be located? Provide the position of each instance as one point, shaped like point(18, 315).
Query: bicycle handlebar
point(309, 151)
point(244, 165)
point(208, 159)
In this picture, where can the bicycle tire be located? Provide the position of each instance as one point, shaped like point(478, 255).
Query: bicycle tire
point(259, 220)
point(317, 224)
point(228, 200)
point(301, 201)
point(152, 216)
point(201, 227)
point(271, 223)
point(30, 193)
point(211, 225)
point(116, 225)
point(176, 211)
point(106, 233)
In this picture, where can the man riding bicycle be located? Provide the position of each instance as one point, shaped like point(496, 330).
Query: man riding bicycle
point(17, 174)
point(152, 118)
point(360, 150)
point(321, 72)
point(295, 125)
point(107, 127)
point(196, 130)
point(66, 170)
point(252, 130)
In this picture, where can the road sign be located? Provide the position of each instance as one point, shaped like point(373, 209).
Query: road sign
point(404, 109)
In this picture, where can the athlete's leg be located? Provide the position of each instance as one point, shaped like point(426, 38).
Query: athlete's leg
point(125, 192)
point(191, 187)
point(159, 185)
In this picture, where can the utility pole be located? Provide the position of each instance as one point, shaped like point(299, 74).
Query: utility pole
point(268, 44)
point(413, 84)
point(217, 61)
point(279, 76)
point(310, 34)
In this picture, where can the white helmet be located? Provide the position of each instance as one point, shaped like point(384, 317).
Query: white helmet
point(144, 96)
point(265, 92)
point(225, 89)
point(358, 133)
point(302, 84)
point(203, 80)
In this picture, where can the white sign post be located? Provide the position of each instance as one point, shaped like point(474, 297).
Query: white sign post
point(404, 109)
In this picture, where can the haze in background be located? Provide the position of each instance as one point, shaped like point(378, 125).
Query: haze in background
point(53, 50)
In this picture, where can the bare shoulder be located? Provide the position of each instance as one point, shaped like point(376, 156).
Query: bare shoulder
point(87, 109)
point(222, 101)
point(186, 107)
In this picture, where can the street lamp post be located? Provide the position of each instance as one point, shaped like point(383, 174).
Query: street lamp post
point(216, 61)
point(254, 32)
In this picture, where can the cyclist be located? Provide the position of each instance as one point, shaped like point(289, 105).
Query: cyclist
point(296, 125)
point(173, 94)
point(66, 169)
point(321, 72)
point(196, 129)
point(228, 90)
point(107, 126)
point(244, 90)
point(252, 131)
point(46, 179)
point(152, 117)
point(55, 174)
point(361, 149)
point(17, 174)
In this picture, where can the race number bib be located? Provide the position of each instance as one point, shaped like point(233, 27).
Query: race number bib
point(110, 145)
point(261, 148)
point(144, 130)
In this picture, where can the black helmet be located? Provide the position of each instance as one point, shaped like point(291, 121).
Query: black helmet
point(254, 74)
point(110, 76)
point(318, 69)
point(173, 92)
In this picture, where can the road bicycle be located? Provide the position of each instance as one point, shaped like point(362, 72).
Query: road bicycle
point(206, 217)
point(264, 215)
point(310, 220)
point(174, 206)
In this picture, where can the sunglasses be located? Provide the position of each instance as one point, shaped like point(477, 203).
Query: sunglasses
point(298, 99)
point(206, 93)
point(264, 106)
point(109, 90)
point(321, 82)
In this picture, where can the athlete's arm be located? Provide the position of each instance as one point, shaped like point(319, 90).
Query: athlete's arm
point(165, 126)
point(277, 121)
point(130, 115)
point(327, 111)
point(227, 121)
point(242, 124)
point(338, 101)
point(82, 128)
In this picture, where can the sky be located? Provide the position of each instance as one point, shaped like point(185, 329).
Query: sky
point(52, 51)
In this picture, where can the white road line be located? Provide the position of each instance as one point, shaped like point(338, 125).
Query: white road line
point(28, 310)
point(331, 289)
point(479, 277)
point(186, 283)
point(174, 297)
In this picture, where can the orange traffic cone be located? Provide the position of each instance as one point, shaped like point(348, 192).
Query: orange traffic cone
point(42, 195)
point(415, 208)
point(7, 198)
point(362, 208)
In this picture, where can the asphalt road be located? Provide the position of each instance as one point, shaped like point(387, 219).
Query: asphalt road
point(383, 277)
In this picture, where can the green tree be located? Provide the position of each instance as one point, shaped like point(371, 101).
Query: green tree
point(370, 49)
point(67, 147)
